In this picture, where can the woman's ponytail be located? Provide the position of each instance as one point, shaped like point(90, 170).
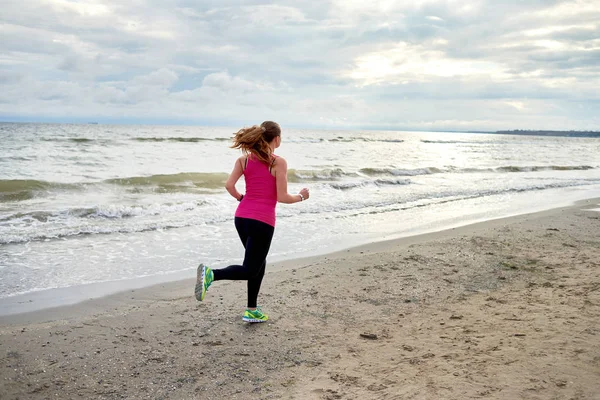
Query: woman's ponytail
point(256, 140)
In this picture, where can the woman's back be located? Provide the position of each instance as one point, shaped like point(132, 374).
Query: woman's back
point(260, 199)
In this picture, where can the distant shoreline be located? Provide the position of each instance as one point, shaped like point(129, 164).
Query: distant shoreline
point(532, 132)
point(591, 134)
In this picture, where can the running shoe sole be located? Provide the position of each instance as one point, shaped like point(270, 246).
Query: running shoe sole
point(199, 291)
point(248, 317)
point(253, 321)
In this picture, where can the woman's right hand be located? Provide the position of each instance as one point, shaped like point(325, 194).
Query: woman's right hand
point(304, 192)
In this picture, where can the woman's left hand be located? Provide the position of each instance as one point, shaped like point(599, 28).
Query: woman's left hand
point(305, 193)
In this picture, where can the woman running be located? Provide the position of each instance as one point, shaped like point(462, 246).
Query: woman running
point(266, 184)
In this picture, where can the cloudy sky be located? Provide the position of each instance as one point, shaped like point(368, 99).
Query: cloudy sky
point(381, 64)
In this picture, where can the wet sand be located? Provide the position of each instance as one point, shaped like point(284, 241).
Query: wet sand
point(505, 309)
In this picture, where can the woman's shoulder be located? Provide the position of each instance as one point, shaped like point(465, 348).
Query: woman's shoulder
point(279, 161)
point(242, 161)
point(277, 158)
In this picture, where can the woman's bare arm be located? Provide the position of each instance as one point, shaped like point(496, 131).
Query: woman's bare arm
point(281, 180)
point(235, 175)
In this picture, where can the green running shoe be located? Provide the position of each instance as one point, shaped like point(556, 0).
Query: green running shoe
point(255, 316)
point(204, 278)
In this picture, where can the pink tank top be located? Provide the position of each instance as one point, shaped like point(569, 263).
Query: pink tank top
point(260, 199)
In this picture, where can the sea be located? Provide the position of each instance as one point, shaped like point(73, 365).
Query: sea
point(90, 209)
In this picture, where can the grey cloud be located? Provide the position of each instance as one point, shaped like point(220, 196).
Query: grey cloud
point(163, 78)
point(9, 76)
point(70, 63)
point(168, 58)
point(577, 34)
point(30, 40)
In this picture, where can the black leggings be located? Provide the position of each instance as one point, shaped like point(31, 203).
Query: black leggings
point(256, 237)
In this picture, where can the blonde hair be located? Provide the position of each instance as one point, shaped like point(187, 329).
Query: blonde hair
point(255, 140)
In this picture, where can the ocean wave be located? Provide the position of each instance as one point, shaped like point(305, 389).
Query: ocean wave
point(292, 139)
point(512, 168)
point(346, 185)
point(122, 219)
point(72, 231)
point(363, 139)
point(208, 180)
point(304, 140)
point(377, 182)
point(451, 142)
point(335, 174)
point(108, 211)
point(16, 158)
point(124, 211)
point(385, 182)
point(80, 140)
point(75, 140)
point(182, 139)
point(317, 175)
point(25, 189)
point(450, 196)
point(205, 182)
point(452, 169)
point(179, 139)
point(101, 219)
point(399, 171)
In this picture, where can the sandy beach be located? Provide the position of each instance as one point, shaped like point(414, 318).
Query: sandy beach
point(505, 309)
